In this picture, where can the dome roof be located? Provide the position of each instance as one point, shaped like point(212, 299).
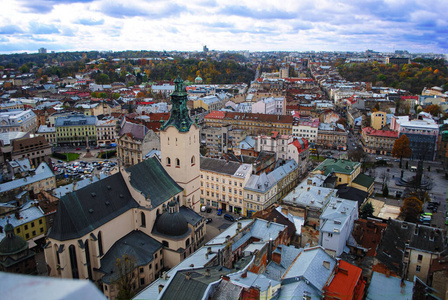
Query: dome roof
point(12, 243)
point(172, 224)
point(198, 78)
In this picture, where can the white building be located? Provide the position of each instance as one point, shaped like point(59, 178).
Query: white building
point(306, 128)
point(18, 120)
point(336, 224)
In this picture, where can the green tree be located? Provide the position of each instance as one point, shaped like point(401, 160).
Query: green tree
point(102, 79)
point(386, 191)
point(125, 278)
point(366, 210)
point(402, 148)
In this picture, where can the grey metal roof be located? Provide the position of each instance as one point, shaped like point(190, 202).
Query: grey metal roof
point(261, 183)
point(18, 286)
point(192, 284)
point(309, 266)
point(383, 287)
point(150, 178)
point(75, 120)
point(135, 244)
point(137, 131)
point(399, 233)
point(219, 166)
point(190, 215)
point(83, 210)
point(42, 172)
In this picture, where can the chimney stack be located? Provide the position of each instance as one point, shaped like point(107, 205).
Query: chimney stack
point(207, 272)
point(326, 264)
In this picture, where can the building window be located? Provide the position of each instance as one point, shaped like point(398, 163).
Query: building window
point(18, 229)
point(192, 160)
point(177, 162)
point(143, 219)
point(142, 281)
point(141, 270)
point(418, 268)
point(26, 226)
point(100, 244)
point(40, 221)
point(330, 235)
point(168, 161)
point(27, 236)
point(419, 258)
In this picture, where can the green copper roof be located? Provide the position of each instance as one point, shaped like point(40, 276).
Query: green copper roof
point(180, 117)
point(338, 166)
point(364, 180)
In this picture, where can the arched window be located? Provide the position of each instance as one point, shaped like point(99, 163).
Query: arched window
point(187, 243)
point(58, 259)
point(168, 141)
point(177, 162)
point(73, 262)
point(89, 268)
point(143, 224)
point(192, 160)
point(168, 161)
point(100, 244)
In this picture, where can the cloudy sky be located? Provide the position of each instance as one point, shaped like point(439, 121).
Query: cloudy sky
point(255, 25)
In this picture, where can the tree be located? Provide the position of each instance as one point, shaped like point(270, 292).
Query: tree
point(357, 155)
point(366, 210)
point(124, 276)
point(103, 79)
point(385, 191)
point(402, 148)
point(412, 207)
point(434, 109)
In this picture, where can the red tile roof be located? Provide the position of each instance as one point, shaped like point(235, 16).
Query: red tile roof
point(216, 114)
point(383, 133)
point(347, 283)
point(299, 79)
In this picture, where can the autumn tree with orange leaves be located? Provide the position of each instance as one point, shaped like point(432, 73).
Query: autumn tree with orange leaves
point(412, 207)
point(402, 148)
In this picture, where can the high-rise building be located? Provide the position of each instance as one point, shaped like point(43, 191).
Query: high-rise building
point(42, 50)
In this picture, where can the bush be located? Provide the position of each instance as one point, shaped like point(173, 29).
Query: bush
point(108, 154)
point(61, 156)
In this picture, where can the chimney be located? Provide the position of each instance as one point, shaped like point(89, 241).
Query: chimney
point(187, 276)
point(326, 264)
point(244, 275)
point(160, 288)
point(207, 272)
point(209, 250)
point(239, 225)
point(318, 192)
point(275, 220)
point(308, 189)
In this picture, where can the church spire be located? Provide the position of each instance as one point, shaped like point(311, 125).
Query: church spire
point(180, 117)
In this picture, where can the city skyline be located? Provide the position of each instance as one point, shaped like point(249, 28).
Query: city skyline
point(84, 25)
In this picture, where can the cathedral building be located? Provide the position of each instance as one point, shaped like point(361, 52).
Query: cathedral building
point(145, 214)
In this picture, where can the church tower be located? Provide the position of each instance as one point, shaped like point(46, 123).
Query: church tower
point(179, 143)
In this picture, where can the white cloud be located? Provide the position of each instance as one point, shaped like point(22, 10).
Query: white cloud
point(382, 25)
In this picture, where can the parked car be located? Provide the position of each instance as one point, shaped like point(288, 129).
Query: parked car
point(219, 212)
point(208, 220)
point(229, 218)
point(60, 161)
point(78, 148)
point(209, 209)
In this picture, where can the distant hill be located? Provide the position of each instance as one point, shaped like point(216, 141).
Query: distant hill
point(413, 77)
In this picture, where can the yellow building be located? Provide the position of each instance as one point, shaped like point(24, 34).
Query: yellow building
point(378, 120)
point(29, 223)
point(222, 184)
point(73, 130)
